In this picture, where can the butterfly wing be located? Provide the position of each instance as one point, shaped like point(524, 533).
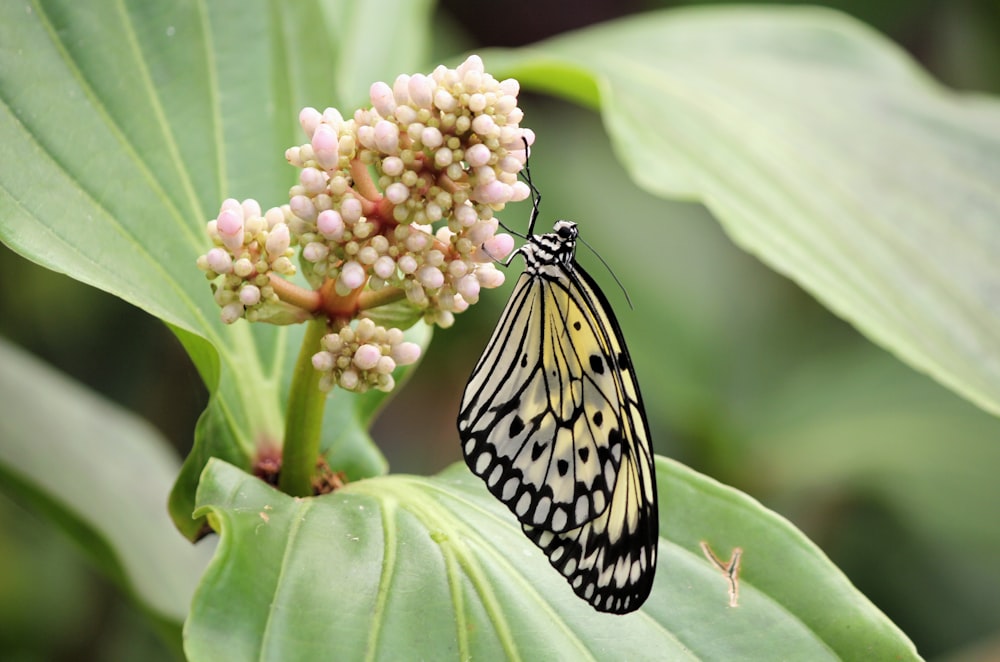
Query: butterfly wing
point(553, 421)
point(546, 415)
point(610, 561)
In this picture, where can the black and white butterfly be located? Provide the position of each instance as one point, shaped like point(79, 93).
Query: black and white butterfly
point(553, 421)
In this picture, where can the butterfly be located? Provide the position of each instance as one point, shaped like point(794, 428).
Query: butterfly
point(552, 420)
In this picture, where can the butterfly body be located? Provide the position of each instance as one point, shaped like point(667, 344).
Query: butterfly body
point(553, 422)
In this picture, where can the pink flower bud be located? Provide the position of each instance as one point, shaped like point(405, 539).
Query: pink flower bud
point(309, 119)
point(325, 145)
point(421, 89)
point(478, 155)
point(405, 353)
point(382, 99)
point(384, 267)
point(249, 295)
point(367, 356)
point(330, 224)
point(387, 137)
point(352, 275)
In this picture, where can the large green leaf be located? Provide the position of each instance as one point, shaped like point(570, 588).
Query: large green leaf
point(125, 126)
point(103, 476)
point(822, 149)
point(401, 567)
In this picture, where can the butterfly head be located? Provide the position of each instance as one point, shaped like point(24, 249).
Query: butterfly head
point(566, 230)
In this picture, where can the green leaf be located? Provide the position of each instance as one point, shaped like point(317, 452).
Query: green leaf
point(127, 124)
point(823, 150)
point(102, 476)
point(435, 568)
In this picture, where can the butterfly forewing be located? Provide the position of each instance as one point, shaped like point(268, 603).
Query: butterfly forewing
point(541, 419)
point(552, 420)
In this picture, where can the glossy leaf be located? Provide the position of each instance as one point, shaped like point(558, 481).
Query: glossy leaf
point(823, 150)
point(127, 124)
point(435, 568)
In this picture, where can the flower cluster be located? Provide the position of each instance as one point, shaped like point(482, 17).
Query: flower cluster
point(248, 246)
point(444, 149)
point(394, 204)
point(363, 357)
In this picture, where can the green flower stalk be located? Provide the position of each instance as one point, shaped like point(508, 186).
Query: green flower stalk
point(394, 205)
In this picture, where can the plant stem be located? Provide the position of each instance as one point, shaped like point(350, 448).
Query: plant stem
point(304, 418)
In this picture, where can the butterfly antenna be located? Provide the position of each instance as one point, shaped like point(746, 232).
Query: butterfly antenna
point(536, 196)
point(607, 266)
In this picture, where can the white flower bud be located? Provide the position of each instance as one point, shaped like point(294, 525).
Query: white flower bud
point(443, 157)
point(303, 207)
point(350, 210)
point(466, 215)
point(392, 166)
point(278, 240)
point(431, 137)
point(489, 277)
point(382, 99)
point(349, 380)
point(485, 126)
point(468, 287)
point(421, 89)
point(444, 100)
point(315, 251)
point(400, 89)
point(477, 102)
point(478, 155)
point(430, 277)
point(387, 137)
point(385, 365)
point(384, 267)
point(323, 361)
point(397, 193)
point(407, 264)
point(219, 261)
point(366, 330)
point(243, 267)
point(231, 312)
point(331, 342)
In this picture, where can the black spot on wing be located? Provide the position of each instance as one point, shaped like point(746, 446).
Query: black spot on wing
point(537, 450)
point(597, 363)
point(598, 418)
point(516, 426)
point(563, 467)
point(624, 364)
point(584, 454)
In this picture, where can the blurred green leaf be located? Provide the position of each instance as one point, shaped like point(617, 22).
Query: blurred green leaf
point(404, 567)
point(126, 125)
point(103, 476)
point(823, 150)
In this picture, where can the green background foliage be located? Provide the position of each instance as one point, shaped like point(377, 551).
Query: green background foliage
point(819, 148)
